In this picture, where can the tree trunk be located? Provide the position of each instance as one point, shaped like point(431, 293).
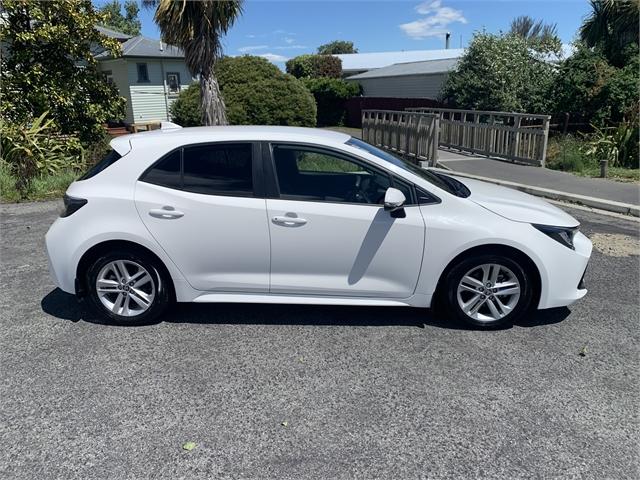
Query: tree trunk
point(212, 105)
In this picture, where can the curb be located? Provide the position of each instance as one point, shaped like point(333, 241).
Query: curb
point(599, 203)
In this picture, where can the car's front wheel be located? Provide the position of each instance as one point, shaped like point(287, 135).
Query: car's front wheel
point(488, 290)
point(127, 288)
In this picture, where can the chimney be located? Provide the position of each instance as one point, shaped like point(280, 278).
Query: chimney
point(162, 48)
point(446, 41)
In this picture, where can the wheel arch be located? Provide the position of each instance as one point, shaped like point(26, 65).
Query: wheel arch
point(496, 249)
point(108, 245)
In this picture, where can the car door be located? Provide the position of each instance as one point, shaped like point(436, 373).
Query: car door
point(330, 234)
point(202, 203)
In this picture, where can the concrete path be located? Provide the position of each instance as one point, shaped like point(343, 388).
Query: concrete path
point(541, 177)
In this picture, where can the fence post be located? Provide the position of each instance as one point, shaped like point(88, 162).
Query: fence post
point(515, 147)
point(435, 137)
point(418, 119)
point(545, 139)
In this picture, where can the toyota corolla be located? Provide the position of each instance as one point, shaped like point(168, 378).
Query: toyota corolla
point(295, 215)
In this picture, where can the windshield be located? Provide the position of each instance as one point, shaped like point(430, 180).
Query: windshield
point(446, 183)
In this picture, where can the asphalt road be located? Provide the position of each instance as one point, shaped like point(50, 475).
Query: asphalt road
point(293, 392)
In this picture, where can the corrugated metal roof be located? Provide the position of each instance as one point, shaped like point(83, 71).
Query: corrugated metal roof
point(367, 61)
point(410, 68)
point(140, 46)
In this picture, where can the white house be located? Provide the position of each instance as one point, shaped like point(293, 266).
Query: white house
point(150, 75)
point(406, 80)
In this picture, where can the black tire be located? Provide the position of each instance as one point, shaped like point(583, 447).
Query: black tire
point(157, 306)
point(455, 275)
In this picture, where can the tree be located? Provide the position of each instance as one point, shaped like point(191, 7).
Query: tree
point(613, 27)
point(197, 28)
point(48, 66)
point(313, 66)
point(337, 47)
point(128, 23)
point(501, 72)
point(541, 36)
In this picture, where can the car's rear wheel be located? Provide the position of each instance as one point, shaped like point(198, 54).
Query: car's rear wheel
point(127, 288)
point(488, 290)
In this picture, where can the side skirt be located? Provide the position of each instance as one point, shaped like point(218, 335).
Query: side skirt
point(413, 301)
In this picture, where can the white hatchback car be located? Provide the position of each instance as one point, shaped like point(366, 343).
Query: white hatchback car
point(295, 215)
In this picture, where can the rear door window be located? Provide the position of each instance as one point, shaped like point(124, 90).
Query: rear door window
point(223, 169)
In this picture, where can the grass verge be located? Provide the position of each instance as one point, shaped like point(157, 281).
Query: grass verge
point(566, 153)
point(45, 187)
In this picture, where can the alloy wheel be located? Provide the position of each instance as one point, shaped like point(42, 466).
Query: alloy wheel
point(125, 288)
point(488, 292)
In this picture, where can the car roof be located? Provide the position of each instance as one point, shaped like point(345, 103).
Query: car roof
point(175, 137)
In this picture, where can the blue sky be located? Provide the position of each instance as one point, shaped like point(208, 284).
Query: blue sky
point(280, 30)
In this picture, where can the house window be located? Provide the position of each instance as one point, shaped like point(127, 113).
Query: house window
point(143, 73)
point(173, 81)
point(108, 77)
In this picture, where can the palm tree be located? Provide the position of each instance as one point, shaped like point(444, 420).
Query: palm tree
point(533, 31)
point(197, 28)
point(612, 25)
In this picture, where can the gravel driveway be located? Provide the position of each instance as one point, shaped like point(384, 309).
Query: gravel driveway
point(292, 392)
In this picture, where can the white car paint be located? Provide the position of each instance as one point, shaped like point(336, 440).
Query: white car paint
point(273, 250)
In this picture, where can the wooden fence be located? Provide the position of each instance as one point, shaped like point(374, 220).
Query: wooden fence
point(519, 137)
point(409, 134)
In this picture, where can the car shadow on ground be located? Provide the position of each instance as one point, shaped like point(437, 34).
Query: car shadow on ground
point(65, 306)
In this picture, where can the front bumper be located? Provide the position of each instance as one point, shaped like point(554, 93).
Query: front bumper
point(563, 280)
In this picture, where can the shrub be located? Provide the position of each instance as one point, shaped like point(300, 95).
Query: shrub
point(331, 95)
point(308, 66)
point(566, 153)
point(618, 145)
point(36, 149)
point(255, 92)
point(185, 110)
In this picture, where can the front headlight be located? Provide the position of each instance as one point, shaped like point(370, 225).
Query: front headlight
point(563, 235)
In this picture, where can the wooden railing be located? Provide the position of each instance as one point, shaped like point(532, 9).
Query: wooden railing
point(409, 134)
point(519, 137)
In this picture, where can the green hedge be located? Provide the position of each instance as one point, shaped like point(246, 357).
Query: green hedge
point(307, 66)
point(255, 92)
point(331, 95)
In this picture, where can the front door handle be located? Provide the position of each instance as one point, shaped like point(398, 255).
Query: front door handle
point(167, 212)
point(289, 221)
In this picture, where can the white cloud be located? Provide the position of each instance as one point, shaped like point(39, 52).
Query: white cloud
point(289, 40)
point(435, 21)
point(290, 47)
point(252, 48)
point(274, 57)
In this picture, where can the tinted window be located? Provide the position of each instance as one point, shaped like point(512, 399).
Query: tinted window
point(218, 169)
point(166, 172)
point(310, 174)
point(109, 159)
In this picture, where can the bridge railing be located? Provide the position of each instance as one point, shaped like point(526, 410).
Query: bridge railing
point(413, 135)
point(519, 137)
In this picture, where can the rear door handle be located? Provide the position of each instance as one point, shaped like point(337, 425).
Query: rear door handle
point(289, 221)
point(167, 212)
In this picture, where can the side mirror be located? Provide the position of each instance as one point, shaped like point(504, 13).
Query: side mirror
point(394, 201)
